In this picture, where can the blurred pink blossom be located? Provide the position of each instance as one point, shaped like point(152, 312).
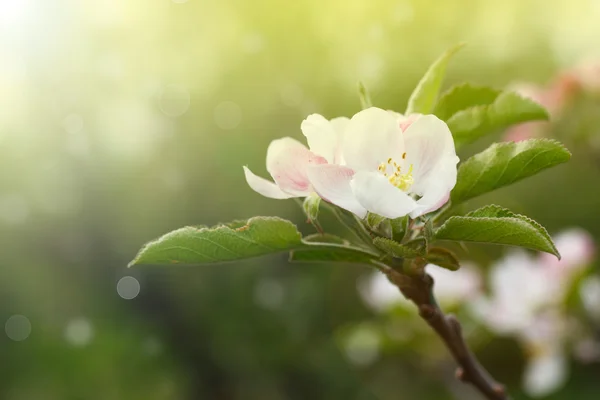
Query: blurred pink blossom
point(554, 98)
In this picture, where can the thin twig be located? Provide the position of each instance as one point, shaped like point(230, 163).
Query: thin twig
point(418, 289)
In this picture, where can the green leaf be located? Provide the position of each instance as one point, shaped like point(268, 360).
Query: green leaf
point(365, 97)
point(321, 238)
point(396, 249)
point(257, 237)
point(399, 228)
point(463, 96)
point(425, 94)
point(508, 109)
point(497, 225)
point(311, 207)
point(379, 225)
point(443, 258)
point(428, 231)
point(504, 163)
point(331, 248)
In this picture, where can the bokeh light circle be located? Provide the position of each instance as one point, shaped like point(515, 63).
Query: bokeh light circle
point(269, 294)
point(228, 115)
point(174, 100)
point(128, 287)
point(18, 328)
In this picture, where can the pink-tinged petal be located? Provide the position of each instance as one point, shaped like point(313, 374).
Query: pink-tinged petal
point(321, 136)
point(378, 195)
point(265, 187)
point(433, 200)
point(372, 136)
point(430, 150)
point(287, 160)
point(332, 183)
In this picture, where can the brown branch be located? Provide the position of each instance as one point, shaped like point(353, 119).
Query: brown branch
point(418, 289)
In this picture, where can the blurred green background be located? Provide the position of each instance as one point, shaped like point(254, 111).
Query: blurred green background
point(124, 119)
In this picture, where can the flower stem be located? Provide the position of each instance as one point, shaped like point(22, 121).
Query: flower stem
point(418, 289)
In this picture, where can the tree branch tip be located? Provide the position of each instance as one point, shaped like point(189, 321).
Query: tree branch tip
point(427, 311)
point(460, 374)
point(500, 390)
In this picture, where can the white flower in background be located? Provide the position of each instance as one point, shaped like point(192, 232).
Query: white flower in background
point(390, 166)
point(545, 373)
point(522, 285)
point(378, 292)
point(589, 291)
point(288, 159)
point(378, 161)
point(451, 288)
point(519, 287)
point(547, 368)
point(527, 299)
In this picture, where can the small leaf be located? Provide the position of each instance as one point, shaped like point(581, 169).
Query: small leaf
point(428, 230)
point(399, 228)
point(374, 220)
point(396, 249)
point(443, 258)
point(425, 94)
point(419, 245)
point(257, 237)
point(379, 225)
point(508, 109)
point(497, 225)
point(463, 96)
point(365, 97)
point(504, 163)
point(311, 207)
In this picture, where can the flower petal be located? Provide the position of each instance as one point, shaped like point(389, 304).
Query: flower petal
point(332, 183)
point(287, 160)
point(265, 187)
point(339, 124)
point(372, 136)
point(430, 150)
point(321, 136)
point(378, 195)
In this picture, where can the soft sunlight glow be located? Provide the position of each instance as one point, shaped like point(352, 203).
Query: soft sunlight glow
point(14, 13)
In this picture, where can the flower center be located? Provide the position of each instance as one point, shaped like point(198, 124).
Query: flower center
point(395, 176)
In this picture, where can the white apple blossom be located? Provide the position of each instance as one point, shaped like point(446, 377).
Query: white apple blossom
point(288, 159)
point(451, 288)
point(391, 165)
point(377, 161)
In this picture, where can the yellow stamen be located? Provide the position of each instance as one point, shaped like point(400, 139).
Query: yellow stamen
point(397, 178)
